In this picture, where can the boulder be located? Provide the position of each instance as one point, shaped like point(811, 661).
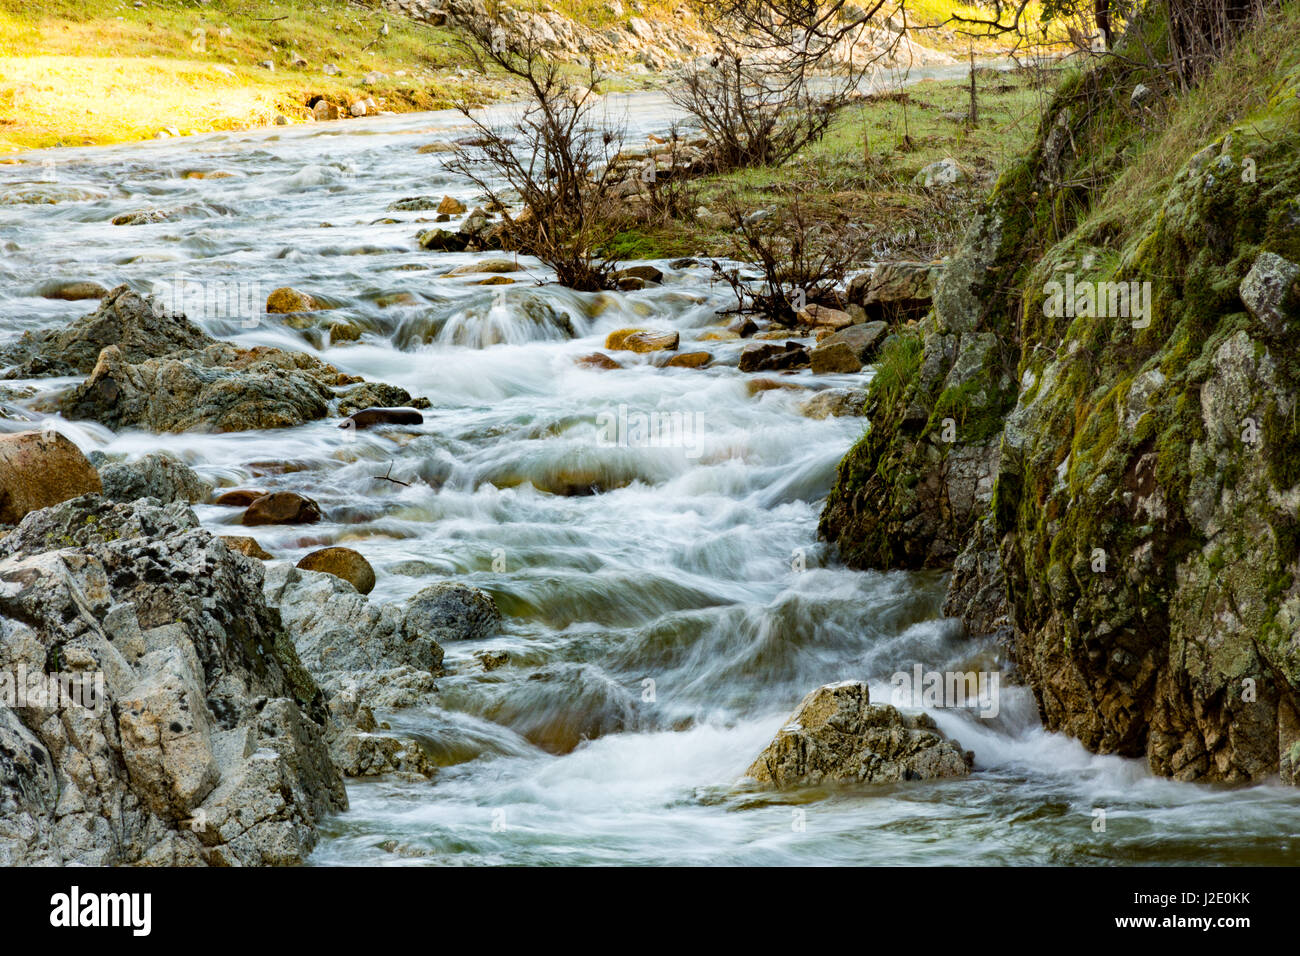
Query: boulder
point(285, 301)
point(824, 316)
point(642, 340)
point(847, 350)
point(451, 206)
point(203, 742)
point(944, 172)
point(767, 357)
point(834, 403)
point(139, 327)
point(454, 612)
point(895, 291)
point(221, 388)
point(40, 469)
point(491, 660)
point(339, 633)
point(836, 735)
point(141, 217)
point(442, 240)
point(282, 507)
point(757, 386)
point(477, 230)
point(344, 563)
point(157, 475)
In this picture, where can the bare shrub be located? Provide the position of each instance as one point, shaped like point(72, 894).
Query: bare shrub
point(803, 259)
point(780, 71)
point(556, 158)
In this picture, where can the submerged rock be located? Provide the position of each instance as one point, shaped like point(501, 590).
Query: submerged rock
point(73, 290)
point(207, 745)
point(370, 417)
point(288, 301)
point(281, 507)
point(40, 469)
point(836, 735)
point(596, 360)
point(689, 360)
point(413, 204)
point(642, 340)
point(489, 266)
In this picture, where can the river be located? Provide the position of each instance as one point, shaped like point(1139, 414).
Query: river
point(659, 632)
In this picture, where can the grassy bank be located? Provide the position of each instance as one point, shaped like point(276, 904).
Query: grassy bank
point(106, 71)
point(861, 173)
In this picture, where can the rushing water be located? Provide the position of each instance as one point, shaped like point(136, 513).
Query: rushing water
point(658, 632)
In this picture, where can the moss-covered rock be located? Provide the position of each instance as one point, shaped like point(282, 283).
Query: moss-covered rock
point(1118, 334)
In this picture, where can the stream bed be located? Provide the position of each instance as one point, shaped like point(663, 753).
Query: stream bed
point(658, 632)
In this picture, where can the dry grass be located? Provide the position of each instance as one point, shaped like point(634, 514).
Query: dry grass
point(1226, 96)
point(103, 71)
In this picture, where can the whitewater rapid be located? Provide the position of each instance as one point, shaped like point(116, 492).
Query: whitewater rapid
point(659, 631)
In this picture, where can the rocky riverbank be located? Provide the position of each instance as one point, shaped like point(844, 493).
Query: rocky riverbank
point(1111, 478)
point(233, 697)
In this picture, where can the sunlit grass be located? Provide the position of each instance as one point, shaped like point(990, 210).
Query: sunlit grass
point(102, 71)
